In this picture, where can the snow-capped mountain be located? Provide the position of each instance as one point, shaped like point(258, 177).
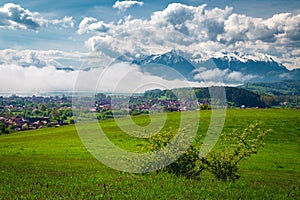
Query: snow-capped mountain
point(233, 67)
point(238, 56)
point(156, 64)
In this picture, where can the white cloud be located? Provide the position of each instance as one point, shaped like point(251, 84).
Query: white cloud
point(222, 75)
point(66, 22)
point(14, 16)
point(211, 74)
point(196, 30)
point(17, 79)
point(90, 24)
point(126, 78)
point(124, 5)
point(120, 77)
point(239, 77)
point(40, 59)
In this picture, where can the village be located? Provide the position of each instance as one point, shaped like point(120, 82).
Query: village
point(136, 105)
point(26, 113)
point(35, 112)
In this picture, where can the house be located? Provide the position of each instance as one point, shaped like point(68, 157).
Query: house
point(2, 119)
point(93, 109)
point(38, 124)
point(18, 121)
point(25, 126)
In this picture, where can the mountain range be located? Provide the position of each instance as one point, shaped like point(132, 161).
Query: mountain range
point(233, 68)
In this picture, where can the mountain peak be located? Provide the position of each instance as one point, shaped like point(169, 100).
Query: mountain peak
point(172, 59)
point(237, 56)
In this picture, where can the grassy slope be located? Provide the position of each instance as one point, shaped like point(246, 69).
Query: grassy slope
point(53, 163)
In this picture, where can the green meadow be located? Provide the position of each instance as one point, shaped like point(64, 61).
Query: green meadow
point(53, 163)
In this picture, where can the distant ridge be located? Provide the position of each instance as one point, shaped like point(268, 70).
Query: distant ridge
point(287, 87)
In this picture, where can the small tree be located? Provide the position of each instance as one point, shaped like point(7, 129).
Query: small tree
point(204, 107)
point(62, 118)
point(54, 114)
point(235, 146)
point(134, 113)
point(3, 129)
point(11, 127)
point(42, 107)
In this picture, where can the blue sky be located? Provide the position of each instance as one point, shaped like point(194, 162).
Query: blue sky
point(102, 10)
point(44, 35)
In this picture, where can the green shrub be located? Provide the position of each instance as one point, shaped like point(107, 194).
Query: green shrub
point(3, 129)
point(146, 112)
point(186, 165)
point(134, 113)
point(235, 146)
point(222, 163)
point(12, 127)
point(105, 115)
point(205, 107)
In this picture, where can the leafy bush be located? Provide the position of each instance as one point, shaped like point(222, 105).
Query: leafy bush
point(187, 165)
point(12, 127)
point(235, 147)
point(222, 163)
point(3, 129)
point(105, 115)
point(134, 113)
point(146, 112)
point(204, 107)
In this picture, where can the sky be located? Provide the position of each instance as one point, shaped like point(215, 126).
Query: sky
point(39, 38)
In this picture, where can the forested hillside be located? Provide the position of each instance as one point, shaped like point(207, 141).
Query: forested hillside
point(290, 87)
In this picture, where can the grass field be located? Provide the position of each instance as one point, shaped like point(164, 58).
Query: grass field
point(52, 163)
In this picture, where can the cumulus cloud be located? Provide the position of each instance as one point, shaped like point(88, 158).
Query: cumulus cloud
point(90, 24)
point(196, 30)
point(124, 5)
point(14, 16)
